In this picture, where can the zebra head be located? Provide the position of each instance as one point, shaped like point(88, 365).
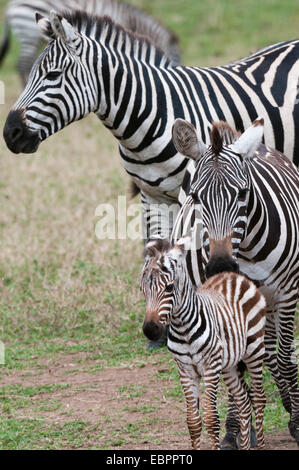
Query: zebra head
point(221, 187)
point(161, 282)
point(59, 89)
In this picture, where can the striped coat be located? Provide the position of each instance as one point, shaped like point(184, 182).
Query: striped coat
point(20, 19)
point(137, 94)
point(242, 207)
point(211, 330)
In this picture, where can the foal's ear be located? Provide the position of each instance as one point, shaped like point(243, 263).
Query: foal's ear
point(180, 248)
point(155, 247)
point(249, 141)
point(185, 140)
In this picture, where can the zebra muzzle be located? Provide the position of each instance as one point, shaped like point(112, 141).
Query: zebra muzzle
point(18, 138)
point(152, 330)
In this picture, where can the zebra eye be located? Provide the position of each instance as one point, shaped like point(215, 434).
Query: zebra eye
point(53, 75)
point(242, 194)
point(169, 287)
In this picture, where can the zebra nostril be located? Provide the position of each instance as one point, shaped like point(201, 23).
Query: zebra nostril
point(16, 133)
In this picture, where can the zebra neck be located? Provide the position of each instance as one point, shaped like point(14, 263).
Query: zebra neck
point(130, 102)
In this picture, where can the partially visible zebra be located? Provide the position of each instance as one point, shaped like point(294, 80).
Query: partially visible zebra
point(20, 19)
point(93, 65)
point(211, 329)
point(243, 198)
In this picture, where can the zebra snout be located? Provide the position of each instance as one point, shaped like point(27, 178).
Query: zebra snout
point(18, 138)
point(218, 265)
point(152, 330)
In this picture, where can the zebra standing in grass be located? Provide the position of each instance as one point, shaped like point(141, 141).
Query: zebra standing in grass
point(211, 330)
point(244, 197)
point(93, 65)
point(20, 19)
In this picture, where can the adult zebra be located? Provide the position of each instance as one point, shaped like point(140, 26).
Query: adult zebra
point(93, 65)
point(20, 19)
point(247, 196)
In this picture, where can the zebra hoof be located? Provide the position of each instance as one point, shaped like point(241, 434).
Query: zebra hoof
point(229, 442)
point(253, 439)
point(294, 430)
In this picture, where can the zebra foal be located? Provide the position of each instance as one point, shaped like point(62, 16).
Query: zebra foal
point(211, 329)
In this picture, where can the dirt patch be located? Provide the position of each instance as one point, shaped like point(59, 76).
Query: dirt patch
point(126, 408)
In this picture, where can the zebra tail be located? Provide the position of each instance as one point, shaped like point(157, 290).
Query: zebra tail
point(5, 43)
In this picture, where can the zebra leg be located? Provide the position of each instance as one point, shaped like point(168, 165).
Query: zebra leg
point(210, 413)
point(257, 395)
point(271, 361)
point(232, 424)
point(190, 386)
point(158, 216)
point(287, 365)
point(241, 399)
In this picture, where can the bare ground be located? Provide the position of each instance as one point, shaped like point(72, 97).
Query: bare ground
point(116, 401)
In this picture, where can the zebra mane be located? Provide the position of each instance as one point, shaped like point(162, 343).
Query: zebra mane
point(222, 134)
point(102, 28)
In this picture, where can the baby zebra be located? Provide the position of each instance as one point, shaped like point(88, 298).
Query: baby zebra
point(211, 330)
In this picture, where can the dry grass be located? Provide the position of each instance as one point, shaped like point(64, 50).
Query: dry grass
point(47, 221)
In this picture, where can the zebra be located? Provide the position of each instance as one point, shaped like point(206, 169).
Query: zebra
point(241, 209)
point(92, 65)
point(211, 329)
point(20, 19)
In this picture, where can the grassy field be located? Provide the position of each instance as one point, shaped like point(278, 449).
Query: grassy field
point(77, 373)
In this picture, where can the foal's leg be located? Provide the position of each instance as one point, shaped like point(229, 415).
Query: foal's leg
point(190, 385)
point(211, 417)
point(232, 423)
point(258, 399)
point(241, 399)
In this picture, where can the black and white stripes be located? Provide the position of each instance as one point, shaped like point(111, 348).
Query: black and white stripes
point(210, 330)
point(20, 19)
point(249, 218)
point(96, 66)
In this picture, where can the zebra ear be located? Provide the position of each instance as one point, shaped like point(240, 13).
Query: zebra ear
point(62, 28)
point(180, 248)
point(44, 27)
point(155, 246)
point(185, 140)
point(55, 27)
point(249, 141)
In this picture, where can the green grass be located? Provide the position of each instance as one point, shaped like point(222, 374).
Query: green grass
point(66, 296)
